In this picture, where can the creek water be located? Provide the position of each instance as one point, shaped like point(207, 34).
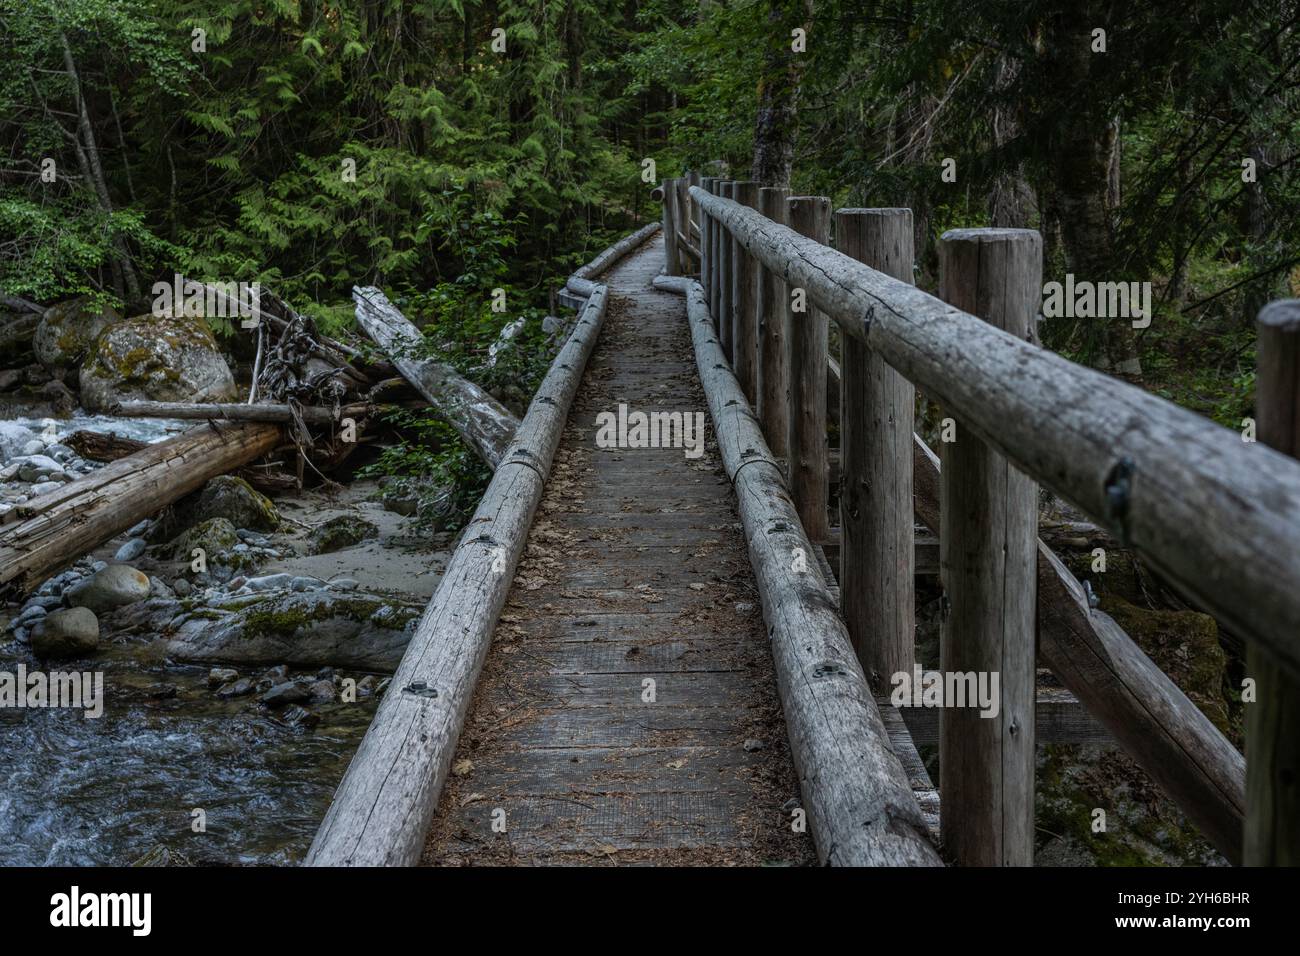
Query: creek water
point(110, 790)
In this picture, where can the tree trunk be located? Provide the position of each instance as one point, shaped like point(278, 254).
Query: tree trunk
point(1082, 164)
point(778, 93)
point(480, 420)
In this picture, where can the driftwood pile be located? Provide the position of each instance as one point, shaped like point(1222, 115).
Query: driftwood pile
point(311, 402)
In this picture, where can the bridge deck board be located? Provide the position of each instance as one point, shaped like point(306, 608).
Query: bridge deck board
point(635, 568)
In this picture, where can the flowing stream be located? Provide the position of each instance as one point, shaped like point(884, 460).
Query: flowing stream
point(125, 785)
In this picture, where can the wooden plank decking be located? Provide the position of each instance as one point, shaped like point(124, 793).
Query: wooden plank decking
point(635, 570)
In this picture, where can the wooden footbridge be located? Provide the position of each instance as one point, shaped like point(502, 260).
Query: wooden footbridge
point(639, 652)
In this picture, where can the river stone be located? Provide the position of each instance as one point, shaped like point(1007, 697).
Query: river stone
point(131, 550)
point(235, 500)
point(181, 587)
point(286, 693)
point(34, 447)
point(38, 468)
point(212, 536)
point(13, 438)
point(71, 632)
point(222, 675)
point(155, 358)
point(296, 716)
point(323, 690)
point(237, 688)
point(44, 488)
point(306, 630)
point(341, 532)
point(111, 587)
point(67, 331)
point(270, 582)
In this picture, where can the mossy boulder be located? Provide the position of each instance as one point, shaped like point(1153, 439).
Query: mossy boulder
point(235, 500)
point(68, 330)
point(225, 496)
point(1141, 826)
point(341, 532)
point(214, 536)
point(302, 629)
point(155, 358)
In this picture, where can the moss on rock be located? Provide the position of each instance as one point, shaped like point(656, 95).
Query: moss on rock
point(341, 532)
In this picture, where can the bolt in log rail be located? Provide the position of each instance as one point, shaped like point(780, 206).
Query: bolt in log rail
point(1154, 472)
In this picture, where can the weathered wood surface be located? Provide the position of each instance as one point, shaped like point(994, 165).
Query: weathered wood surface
point(809, 468)
point(708, 245)
point(96, 446)
point(744, 295)
point(1272, 836)
point(236, 412)
point(580, 283)
point(479, 419)
point(635, 571)
point(382, 808)
point(877, 411)
point(44, 535)
point(1059, 718)
point(1218, 516)
point(672, 261)
point(860, 803)
point(725, 318)
point(1145, 711)
point(773, 336)
point(989, 525)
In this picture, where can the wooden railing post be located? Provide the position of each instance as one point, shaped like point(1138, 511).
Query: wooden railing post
point(809, 466)
point(877, 408)
point(672, 262)
point(693, 178)
point(727, 190)
point(773, 337)
point(1272, 836)
point(988, 558)
point(744, 296)
point(708, 230)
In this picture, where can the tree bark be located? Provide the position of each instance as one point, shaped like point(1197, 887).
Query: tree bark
point(53, 530)
point(479, 419)
point(775, 126)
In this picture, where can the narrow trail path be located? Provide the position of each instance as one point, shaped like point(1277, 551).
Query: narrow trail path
point(635, 570)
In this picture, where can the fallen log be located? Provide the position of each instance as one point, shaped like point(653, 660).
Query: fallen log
point(311, 415)
point(1145, 711)
point(383, 806)
point(479, 419)
point(96, 446)
point(46, 534)
point(19, 304)
point(861, 808)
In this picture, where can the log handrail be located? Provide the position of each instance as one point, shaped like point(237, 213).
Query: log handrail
point(1219, 516)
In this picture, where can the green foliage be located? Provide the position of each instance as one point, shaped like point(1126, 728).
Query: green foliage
point(434, 466)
